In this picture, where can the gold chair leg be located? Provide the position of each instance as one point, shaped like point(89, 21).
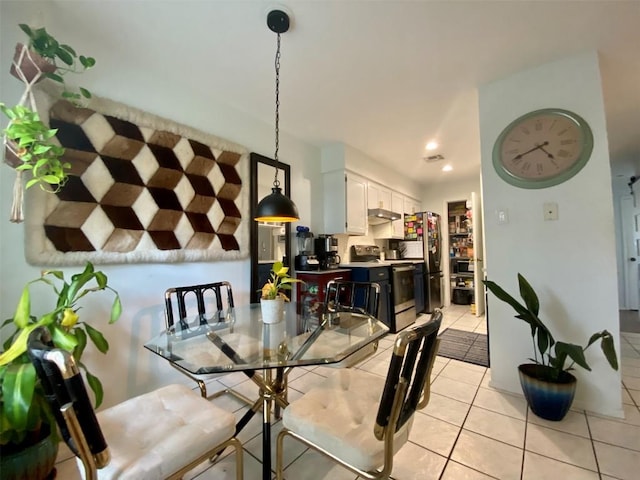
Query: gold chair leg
point(279, 453)
point(239, 459)
point(232, 442)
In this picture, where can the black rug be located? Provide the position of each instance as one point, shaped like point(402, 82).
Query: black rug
point(465, 346)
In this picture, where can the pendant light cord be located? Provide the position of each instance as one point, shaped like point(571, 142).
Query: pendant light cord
point(276, 182)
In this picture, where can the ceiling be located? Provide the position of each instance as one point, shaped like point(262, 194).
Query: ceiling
point(384, 77)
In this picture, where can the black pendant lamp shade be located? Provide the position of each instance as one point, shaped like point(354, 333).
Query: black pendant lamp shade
point(276, 207)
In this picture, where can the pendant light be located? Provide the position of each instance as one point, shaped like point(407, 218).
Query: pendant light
point(276, 207)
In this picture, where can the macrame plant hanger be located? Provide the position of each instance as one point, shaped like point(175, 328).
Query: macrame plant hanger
point(29, 75)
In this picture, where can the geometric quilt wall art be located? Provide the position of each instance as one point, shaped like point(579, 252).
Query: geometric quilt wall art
point(141, 189)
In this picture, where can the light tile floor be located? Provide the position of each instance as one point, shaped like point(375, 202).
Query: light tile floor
point(469, 431)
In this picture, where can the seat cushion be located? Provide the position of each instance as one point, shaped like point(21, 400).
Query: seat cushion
point(339, 416)
point(155, 434)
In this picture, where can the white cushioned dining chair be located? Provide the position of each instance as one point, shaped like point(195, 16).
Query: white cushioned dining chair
point(201, 304)
point(353, 296)
point(158, 435)
point(360, 419)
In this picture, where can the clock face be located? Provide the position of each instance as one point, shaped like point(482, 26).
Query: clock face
point(543, 148)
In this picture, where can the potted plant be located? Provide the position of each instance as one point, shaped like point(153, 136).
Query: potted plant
point(28, 141)
point(273, 293)
point(547, 384)
point(26, 422)
point(30, 148)
point(46, 57)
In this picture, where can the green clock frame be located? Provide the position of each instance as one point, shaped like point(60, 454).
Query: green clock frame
point(585, 141)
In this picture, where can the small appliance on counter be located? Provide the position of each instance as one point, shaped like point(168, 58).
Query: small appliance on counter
point(392, 254)
point(305, 260)
point(327, 252)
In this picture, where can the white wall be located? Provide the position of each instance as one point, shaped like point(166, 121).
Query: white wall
point(570, 262)
point(339, 156)
point(435, 197)
point(129, 369)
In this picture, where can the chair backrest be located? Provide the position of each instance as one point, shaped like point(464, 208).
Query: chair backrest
point(213, 298)
point(351, 296)
point(407, 385)
point(67, 396)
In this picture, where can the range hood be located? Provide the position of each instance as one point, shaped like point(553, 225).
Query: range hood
point(377, 216)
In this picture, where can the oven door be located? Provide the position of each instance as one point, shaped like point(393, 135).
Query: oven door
point(404, 302)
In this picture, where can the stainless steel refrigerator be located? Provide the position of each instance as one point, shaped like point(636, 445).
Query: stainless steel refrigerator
point(423, 239)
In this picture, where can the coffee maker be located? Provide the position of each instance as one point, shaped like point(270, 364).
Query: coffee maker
point(305, 260)
point(327, 252)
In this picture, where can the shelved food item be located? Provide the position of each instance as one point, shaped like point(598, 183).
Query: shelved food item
point(461, 252)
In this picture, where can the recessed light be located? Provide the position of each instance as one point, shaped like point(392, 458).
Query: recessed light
point(447, 168)
point(432, 145)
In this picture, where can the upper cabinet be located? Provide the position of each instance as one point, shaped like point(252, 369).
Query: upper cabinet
point(411, 206)
point(397, 226)
point(345, 203)
point(379, 196)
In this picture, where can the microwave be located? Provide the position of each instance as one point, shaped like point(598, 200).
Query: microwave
point(463, 266)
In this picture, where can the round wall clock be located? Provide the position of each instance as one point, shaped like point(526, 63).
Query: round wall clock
point(542, 148)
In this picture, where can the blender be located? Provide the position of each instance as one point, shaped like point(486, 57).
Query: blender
point(305, 260)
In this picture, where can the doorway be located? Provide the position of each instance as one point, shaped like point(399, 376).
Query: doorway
point(630, 216)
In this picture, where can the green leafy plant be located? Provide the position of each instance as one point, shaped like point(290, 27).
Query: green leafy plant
point(279, 280)
point(547, 351)
point(30, 140)
point(62, 56)
point(23, 406)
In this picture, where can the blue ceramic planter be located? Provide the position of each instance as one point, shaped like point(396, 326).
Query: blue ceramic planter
point(548, 400)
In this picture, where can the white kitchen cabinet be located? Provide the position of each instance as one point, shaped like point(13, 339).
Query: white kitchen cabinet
point(411, 205)
point(378, 196)
point(345, 203)
point(397, 226)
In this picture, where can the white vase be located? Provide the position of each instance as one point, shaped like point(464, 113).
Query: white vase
point(272, 310)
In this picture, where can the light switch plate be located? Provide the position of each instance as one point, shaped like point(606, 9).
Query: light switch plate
point(550, 211)
point(502, 215)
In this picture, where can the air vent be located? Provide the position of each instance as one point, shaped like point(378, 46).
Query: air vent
point(433, 158)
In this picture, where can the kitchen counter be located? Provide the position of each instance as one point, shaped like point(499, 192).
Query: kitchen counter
point(320, 272)
point(364, 264)
point(380, 263)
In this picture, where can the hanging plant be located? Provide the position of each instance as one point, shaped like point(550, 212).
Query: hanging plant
point(61, 60)
point(29, 143)
point(30, 148)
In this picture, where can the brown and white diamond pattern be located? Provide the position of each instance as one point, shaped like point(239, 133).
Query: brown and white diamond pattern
point(142, 186)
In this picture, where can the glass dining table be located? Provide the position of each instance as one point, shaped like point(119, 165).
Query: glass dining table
point(264, 352)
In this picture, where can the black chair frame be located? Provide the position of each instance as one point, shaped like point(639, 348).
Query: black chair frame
point(67, 396)
point(180, 294)
point(352, 296)
point(406, 390)
point(201, 293)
